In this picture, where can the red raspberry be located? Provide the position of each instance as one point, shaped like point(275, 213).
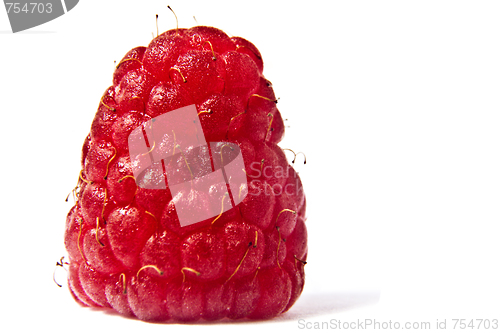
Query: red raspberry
point(127, 248)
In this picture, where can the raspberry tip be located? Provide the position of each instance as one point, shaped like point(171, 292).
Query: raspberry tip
point(239, 114)
point(221, 209)
point(156, 220)
point(243, 46)
point(97, 231)
point(205, 111)
point(122, 62)
point(284, 210)
point(177, 69)
point(241, 261)
point(154, 141)
point(241, 187)
point(185, 160)
point(149, 266)
point(175, 142)
point(302, 261)
point(176, 20)
point(295, 155)
point(190, 270)
point(152, 148)
point(266, 98)
point(84, 180)
point(305, 161)
point(157, 32)
point(278, 248)
point(211, 47)
point(269, 127)
point(122, 275)
point(256, 272)
point(107, 166)
point(231, 120)
point(127, 176)
point(106, 105)
point(143, 105)
point(74, 193)
point(59, 263)
point(78, 240)
point(104, 204)
point(225, 145)
point(245, 172)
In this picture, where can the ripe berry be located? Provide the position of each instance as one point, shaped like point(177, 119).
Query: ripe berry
point(127, 247)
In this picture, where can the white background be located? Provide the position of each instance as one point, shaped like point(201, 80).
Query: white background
point(395, 103)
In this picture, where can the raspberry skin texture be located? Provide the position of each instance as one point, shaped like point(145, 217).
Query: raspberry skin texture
point(126, 247)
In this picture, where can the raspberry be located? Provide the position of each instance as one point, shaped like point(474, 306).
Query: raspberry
point(127, 247)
